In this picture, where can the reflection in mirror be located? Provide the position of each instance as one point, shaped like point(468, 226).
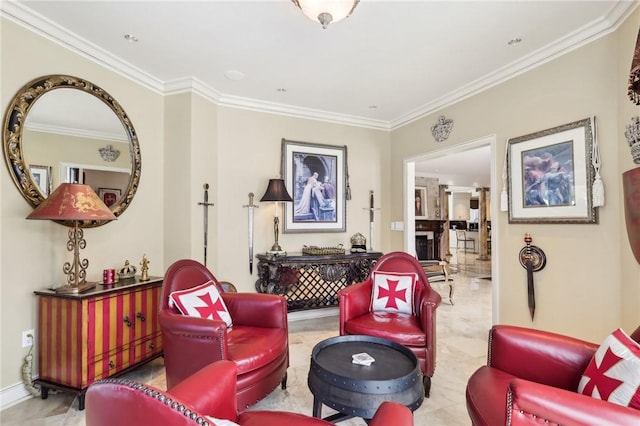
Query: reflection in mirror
point(70, 126)
point(64, 129)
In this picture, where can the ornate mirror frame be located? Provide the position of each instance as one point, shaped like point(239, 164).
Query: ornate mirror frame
point(13, 128)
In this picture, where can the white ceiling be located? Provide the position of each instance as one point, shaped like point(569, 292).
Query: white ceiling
point(391, 62)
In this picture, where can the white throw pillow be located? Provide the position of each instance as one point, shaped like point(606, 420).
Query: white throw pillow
point(202, 301)
point(613, 374)
point(393, 292)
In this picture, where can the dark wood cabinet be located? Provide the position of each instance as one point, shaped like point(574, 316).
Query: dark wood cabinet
point(309, 282)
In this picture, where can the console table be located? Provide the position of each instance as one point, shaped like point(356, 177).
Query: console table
point(105, 331)
point(309, 282)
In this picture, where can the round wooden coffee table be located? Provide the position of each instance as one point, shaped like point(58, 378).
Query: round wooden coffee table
point(358, 390)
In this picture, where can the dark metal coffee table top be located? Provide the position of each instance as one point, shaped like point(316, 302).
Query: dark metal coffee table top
point(358, 390)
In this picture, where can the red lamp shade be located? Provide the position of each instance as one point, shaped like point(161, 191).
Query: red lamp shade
point(72, 201)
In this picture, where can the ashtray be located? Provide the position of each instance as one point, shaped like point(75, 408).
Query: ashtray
point(362, 359)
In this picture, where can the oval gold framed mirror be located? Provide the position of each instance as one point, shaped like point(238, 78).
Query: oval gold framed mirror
point(60, 128)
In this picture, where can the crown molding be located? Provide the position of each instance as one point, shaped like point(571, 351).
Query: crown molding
point(81, 133)
point(193, 85)
point(36, 23)
point(44, 27)
point(301, 112)
point(582, 36)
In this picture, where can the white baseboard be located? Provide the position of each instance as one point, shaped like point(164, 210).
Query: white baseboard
point(13, 395)
point(313, 313)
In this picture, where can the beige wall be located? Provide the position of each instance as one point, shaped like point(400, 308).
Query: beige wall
point(33, 251)
point(581, 291)
point(249, 155)
point(187, 141)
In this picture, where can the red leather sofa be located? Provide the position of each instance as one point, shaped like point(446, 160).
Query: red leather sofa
point(258, 341)
point(531, 378)
point(417, 332)
point(209, 392)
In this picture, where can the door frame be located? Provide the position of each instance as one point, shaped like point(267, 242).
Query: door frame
point(409, 210)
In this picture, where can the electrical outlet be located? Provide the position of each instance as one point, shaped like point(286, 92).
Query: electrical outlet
point(27, 338)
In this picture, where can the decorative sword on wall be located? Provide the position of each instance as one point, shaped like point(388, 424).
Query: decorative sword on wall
point(206, 205)
point(250, 208)
point(371, 219)
point(533, 259)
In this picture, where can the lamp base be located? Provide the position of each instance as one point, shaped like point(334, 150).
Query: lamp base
point(80, 288)
point(277, 252)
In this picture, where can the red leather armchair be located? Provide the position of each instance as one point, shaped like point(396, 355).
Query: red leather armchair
point(258, 342)
point(209, 392)
point(417, 332)
point(531, 377)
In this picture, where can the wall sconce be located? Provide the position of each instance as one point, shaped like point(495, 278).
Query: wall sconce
point(74, 202)
point(276, 192)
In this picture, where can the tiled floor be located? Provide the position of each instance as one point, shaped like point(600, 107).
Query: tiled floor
point(461, 339)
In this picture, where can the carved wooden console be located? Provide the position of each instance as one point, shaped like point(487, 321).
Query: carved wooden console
point(309, 282)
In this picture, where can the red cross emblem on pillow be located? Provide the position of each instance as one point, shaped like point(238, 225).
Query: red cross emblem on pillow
point(393, 292)
point(613, 374)
point(202, 301)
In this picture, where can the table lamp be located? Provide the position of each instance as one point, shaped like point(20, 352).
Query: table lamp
point(74, 202)
point(276, 192)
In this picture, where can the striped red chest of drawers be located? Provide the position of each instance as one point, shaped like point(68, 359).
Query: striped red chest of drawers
point(90, 336)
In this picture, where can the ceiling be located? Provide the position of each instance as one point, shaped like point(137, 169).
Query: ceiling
point(388, 64)
point(470, 168)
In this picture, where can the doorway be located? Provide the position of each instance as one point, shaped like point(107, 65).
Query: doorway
point(444, 163)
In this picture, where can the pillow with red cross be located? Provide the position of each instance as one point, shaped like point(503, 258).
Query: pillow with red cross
point(393, 292)
point(202, 301)
point(613, 374)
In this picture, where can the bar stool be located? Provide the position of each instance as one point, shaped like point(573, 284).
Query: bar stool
point(461, 236)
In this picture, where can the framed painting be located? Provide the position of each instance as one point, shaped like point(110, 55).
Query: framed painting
point(109, 196)
point(42, 178)
point(314, 175)
point(421, 202)
point(551, 175)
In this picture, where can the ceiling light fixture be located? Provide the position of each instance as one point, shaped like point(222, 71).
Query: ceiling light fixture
point(326, 11)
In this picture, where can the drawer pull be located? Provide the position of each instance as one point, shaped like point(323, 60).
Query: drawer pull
point(112, 364)
point(152, 346)
point(127, 321)
point(140, 316)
